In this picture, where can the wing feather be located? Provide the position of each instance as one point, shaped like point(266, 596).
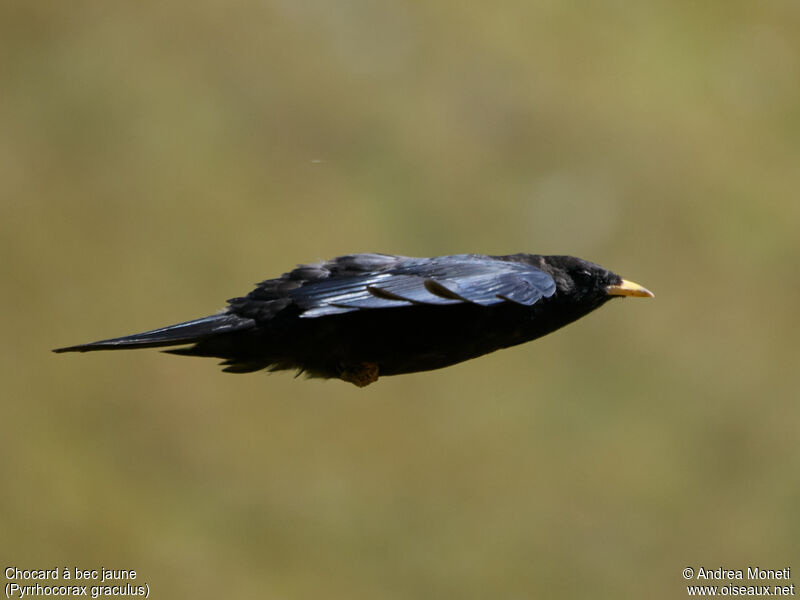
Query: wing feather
point(439, 281)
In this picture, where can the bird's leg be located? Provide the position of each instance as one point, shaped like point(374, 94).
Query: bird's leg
point(361, 374)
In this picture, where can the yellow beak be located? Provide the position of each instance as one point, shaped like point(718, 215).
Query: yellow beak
point(628, 288)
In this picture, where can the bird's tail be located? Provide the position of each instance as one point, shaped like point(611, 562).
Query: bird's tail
point(173, 335)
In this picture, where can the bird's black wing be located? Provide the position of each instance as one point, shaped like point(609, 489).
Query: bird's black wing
point(394, 281)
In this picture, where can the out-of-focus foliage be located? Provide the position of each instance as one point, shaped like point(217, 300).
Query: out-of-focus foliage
point(159, 157)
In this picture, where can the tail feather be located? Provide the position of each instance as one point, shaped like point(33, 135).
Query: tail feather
point(173, 335)
point(242, 351)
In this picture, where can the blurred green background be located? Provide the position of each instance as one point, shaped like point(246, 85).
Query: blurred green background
point(157, 158)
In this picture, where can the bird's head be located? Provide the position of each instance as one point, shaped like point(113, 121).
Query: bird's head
point(587, 283)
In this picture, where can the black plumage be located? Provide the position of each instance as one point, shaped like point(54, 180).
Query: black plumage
point(361, 316)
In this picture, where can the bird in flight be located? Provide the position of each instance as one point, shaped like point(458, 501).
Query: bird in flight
point(361, 316)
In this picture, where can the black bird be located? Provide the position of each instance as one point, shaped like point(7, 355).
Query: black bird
point(361, 316)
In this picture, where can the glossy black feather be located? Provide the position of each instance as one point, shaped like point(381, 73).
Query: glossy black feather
point(442, 280)
point(172, 335)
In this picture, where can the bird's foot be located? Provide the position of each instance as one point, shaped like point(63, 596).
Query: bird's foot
point(361, 374)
